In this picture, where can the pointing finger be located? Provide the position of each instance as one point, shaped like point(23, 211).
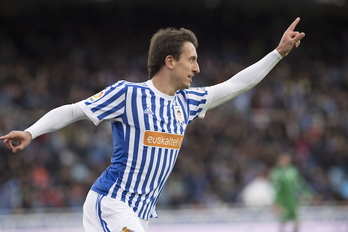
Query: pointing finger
point(293, 25)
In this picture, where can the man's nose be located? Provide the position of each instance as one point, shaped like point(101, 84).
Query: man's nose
point(196, 69)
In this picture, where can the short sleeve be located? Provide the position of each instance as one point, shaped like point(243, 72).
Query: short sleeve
point(108, 104)
point(198, 102)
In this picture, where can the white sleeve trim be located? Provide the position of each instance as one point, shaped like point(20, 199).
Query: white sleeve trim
point(207, 105)
point(88, 113)
point(56, 119)
point(244, 80)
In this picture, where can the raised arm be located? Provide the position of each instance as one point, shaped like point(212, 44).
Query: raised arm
point(52, 121)
point(252, 75)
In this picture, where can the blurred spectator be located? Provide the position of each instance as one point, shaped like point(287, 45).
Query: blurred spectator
point(259, 192)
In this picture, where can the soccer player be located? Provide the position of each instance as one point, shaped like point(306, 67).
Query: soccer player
point(287, 183)
point(148, 122)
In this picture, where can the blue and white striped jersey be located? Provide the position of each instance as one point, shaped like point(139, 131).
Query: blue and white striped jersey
point(148, 129)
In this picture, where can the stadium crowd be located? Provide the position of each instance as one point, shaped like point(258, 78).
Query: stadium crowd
point(49, 58)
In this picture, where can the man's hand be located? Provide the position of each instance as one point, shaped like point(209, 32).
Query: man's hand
point(290, 39)
point(16, 140)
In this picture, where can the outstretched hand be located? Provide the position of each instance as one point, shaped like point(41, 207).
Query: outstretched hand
point(16, 140)
point(290, 39)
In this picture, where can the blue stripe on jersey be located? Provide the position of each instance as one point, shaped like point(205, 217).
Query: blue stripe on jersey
point(195, 102)
point(144, 103)
point(113, 110)
point(153, 108)
point(169, 114)
point(196, 112)
point(201, 94)
point(120, 145)
point(136, 141)
point(162, 115)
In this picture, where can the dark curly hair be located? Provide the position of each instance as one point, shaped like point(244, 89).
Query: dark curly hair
point(166, 42)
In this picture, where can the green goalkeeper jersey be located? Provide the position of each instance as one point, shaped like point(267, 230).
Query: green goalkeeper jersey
point(286, 182)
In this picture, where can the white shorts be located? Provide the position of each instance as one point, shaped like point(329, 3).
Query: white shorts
point(102, 213)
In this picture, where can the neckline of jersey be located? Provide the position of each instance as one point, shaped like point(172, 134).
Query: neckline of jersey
point(163, 95)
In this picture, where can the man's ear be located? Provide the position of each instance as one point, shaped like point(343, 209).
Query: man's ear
point(169, 61)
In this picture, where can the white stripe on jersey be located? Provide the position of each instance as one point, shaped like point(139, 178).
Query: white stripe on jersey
point(138, 173)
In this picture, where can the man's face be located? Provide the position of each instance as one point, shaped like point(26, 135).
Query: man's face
point(186, 67)
point(284, 160)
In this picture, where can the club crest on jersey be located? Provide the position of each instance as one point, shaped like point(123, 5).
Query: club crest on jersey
point(125, 229)
point(179, 115)
point(96, 96)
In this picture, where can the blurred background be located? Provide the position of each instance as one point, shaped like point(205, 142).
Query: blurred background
point(60, 52)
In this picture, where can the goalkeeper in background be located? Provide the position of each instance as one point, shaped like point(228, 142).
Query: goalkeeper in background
point(287, 184)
